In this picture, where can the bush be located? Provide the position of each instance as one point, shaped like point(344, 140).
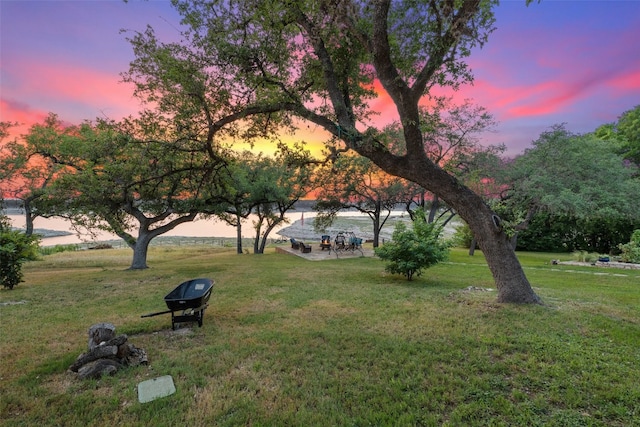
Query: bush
point(631, 250)
point(411, 251)
point(463, 236)
point(562, 233)
point(15, 248)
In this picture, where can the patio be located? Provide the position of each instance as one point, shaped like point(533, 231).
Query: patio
point(317, 254)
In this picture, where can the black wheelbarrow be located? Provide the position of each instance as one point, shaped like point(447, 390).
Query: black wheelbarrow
point(190, 299)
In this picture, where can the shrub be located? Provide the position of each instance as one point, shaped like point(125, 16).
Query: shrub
point(411, 251)
point(15, 248)
point(631, 250)
point(463, 236)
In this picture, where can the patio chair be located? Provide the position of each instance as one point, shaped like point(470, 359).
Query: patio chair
point(294, 244)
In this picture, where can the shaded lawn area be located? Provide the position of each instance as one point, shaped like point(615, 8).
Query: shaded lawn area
point(338, 342)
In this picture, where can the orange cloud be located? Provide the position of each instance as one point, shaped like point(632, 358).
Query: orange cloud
point(17, 112)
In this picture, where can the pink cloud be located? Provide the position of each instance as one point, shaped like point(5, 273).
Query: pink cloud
point(72, 92)
point(383, 105)
point(626, 82)
point(17, 112)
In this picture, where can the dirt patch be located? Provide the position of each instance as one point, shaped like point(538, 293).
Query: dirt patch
point(12, 303)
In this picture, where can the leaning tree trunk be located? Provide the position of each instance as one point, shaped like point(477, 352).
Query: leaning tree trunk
point(263, 241)
point(486, 226)
point(509, 277)
point(511, 282)
point(140, 245)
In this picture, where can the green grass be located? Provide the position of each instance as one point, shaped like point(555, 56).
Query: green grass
point(287, 341)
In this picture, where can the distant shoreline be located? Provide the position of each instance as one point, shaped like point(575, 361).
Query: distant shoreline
point(300, 228)
point(15, 206)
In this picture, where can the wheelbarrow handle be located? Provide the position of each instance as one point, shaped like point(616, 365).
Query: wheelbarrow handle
point(157, 313)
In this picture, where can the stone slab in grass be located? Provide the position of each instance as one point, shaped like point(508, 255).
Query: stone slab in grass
point(155, 388)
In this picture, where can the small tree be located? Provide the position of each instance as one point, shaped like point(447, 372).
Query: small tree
point(25, 173)
point(411, 251)
point(285, 180)
point(355, 182)
point(267, 187)
point(15, 248)
point(631, 250)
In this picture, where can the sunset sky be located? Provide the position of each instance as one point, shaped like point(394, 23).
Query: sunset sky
point(574, 62)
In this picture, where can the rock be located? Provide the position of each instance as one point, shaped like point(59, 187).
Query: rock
point(98, 368)
point(101, 332)
point(137, 356)
point(101, 352)
point(107, 353)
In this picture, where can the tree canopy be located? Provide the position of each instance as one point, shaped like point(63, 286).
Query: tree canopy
point(110, 178)
point(249, 68)
point(277, 183)
point(625, 132)
point(355, 182)
point(26, 173)
point(576, 175)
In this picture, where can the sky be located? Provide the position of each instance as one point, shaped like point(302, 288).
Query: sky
point(574, 62)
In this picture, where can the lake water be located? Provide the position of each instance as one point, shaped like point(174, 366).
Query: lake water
point(197, 228)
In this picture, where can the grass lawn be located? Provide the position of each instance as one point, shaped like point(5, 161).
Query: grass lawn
point(291, 342)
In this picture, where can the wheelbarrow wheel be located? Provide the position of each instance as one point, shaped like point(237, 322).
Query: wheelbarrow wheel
point(200, 317)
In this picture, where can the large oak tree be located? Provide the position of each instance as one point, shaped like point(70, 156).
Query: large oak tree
point(114, 180)
point(580, 177)
point(319, 61)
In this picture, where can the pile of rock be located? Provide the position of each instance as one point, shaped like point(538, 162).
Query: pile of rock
point(107, 353)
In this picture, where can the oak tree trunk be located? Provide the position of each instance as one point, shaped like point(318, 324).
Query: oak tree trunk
point(239, 235)
point(511, 282)
point(376, 230)
point(140, 250)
